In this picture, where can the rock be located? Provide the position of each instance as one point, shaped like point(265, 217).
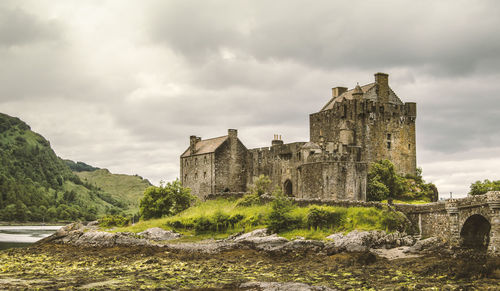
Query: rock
point(428, 244)
point(301, 246)
point(262, 232)
point(275, 286)
point(260, 240)
point(267, 243)
point(361, 241)
point(129, 239)
point(93, 223)
point(159, 234)
point(96, 239)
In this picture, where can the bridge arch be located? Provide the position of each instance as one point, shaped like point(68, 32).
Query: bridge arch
point(475, 232)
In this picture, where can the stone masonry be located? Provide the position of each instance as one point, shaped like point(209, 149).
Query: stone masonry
point(470, 222)
point(354, 128)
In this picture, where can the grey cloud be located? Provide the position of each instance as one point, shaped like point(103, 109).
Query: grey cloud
point(259, 66)
point(445, 37)
point(19, 28)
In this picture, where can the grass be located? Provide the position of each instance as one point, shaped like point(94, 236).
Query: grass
point(257, 216)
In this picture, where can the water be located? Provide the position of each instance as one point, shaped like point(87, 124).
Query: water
point(21, 236)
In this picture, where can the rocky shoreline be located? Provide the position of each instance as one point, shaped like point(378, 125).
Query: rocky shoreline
point(389, 245)
point(83, 257)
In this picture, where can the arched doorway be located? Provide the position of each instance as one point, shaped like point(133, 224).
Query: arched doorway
point(288, 189)
point(475, 232)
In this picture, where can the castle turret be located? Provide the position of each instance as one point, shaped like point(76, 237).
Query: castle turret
point(357, 92)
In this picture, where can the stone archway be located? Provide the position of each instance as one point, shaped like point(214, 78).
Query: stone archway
point(288, 188)
point(475, 232)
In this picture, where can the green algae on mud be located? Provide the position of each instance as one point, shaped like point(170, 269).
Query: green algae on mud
point(59, 266)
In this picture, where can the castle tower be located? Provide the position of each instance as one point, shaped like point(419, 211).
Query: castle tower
point(373, 118)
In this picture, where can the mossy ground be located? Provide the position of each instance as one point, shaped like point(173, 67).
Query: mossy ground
point(61, 267)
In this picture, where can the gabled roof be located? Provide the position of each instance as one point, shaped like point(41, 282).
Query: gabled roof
point(369, 93)
point(311, 145)
point(206, 146)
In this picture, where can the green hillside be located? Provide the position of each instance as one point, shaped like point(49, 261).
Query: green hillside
point(125, 188)
point(36, 185)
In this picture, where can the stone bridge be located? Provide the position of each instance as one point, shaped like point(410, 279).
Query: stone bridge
point(468, 222)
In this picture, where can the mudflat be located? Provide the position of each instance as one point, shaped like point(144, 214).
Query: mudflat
point(148, 267)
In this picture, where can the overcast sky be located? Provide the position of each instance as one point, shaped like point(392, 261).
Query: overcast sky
point(122, 84)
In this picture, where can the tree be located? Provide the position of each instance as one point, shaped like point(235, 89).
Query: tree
point(168, 199)
point(478, 187)
point(384, 182)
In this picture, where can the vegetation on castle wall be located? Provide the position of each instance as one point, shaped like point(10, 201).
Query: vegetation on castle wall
point(384, 183)
point(478, 187)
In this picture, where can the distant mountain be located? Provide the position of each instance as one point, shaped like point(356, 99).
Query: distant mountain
point(125, 188)
point(37, 185)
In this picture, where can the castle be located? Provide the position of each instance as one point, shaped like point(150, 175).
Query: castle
point(355, 128)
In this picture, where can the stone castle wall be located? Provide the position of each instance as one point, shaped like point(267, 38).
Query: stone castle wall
point(384, 131)
point(230, 167)
point(198, 173)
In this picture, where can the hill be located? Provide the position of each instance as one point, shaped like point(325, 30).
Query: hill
point(125, 188)
point(37, 185)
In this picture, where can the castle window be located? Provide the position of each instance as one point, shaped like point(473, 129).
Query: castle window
point(204, 175)
point(196, 161)
point(205, 159)
point(196, 176)
point(389, 136)
point(409, 146)
point(388, 145)
point(185, 178)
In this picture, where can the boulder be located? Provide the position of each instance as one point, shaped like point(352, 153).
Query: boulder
point(302, 245)
point(262, 232)
point(129, 239)
point(361, 241)
point(96, 239)
point(260, 240)
point(159, 234)
point(428, 244)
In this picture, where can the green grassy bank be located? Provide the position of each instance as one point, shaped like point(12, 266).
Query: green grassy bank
point(221, 218)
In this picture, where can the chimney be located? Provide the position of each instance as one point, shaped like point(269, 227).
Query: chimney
point(382, 81)
point(232, 133)
point(337, 91)
point(192, 143)
point(276, 140)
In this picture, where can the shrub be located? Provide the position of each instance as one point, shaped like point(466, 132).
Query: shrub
point(248, 200)
point(202, 224)
point(322, 217)
point(113, 220)
point(261, 185)
point(394, 220)
point(235, 218)
point(218, 222)
point(280, 218)
point(168, 199)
